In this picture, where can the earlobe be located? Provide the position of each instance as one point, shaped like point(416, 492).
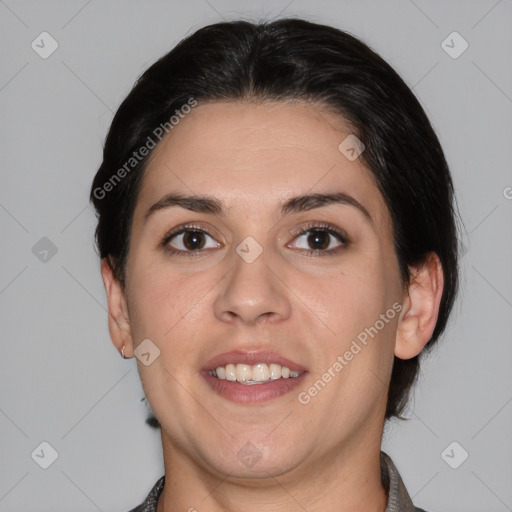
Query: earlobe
point(421, 307)
point(118, 318)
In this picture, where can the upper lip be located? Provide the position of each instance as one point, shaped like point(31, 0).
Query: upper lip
point(251, 357)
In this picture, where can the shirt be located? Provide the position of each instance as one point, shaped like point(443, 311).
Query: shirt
point(398, 498)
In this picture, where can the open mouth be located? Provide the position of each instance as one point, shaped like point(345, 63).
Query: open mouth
point(252, 376)
point(260, 373)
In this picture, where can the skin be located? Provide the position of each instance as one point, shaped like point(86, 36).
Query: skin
point(323, 455)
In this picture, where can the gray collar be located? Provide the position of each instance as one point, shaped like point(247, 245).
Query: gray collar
point(398, 501)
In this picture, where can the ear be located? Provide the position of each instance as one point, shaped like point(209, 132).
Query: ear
point(118, 318)
point(420, 307)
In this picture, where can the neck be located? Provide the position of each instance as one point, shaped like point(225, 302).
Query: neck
point(348, 481)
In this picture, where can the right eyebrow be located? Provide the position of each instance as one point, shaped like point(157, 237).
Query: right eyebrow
point(200, 204)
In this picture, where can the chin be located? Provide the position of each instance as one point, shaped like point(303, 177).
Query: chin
point(254, 458)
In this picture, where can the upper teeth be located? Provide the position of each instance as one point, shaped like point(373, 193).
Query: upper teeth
point(248, 374)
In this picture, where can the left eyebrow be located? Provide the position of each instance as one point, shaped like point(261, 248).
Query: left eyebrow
point(309, 202)
point(303, 203)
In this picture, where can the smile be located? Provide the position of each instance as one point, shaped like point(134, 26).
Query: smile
point(259, 373)
point(252, 376)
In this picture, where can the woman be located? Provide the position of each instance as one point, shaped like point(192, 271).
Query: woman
point(278, 246)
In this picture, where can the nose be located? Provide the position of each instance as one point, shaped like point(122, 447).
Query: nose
point(252, 293)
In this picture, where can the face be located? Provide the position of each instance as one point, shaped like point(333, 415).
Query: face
point(282, 257)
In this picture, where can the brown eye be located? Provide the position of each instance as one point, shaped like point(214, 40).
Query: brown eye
point(193, 240)
point(319, 240)
point(189, 240)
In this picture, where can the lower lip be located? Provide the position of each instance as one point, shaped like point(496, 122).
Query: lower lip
point(252, 393)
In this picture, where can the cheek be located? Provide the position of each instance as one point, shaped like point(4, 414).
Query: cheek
point(347, 300)
point(351, 304)
point(163, 302)
point(357, 349)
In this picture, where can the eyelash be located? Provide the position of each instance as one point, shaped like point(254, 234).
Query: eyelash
point(312, 226)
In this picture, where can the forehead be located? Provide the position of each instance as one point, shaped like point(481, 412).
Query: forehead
point(250, 154)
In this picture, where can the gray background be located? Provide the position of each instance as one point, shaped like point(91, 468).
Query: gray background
point(61, 379)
